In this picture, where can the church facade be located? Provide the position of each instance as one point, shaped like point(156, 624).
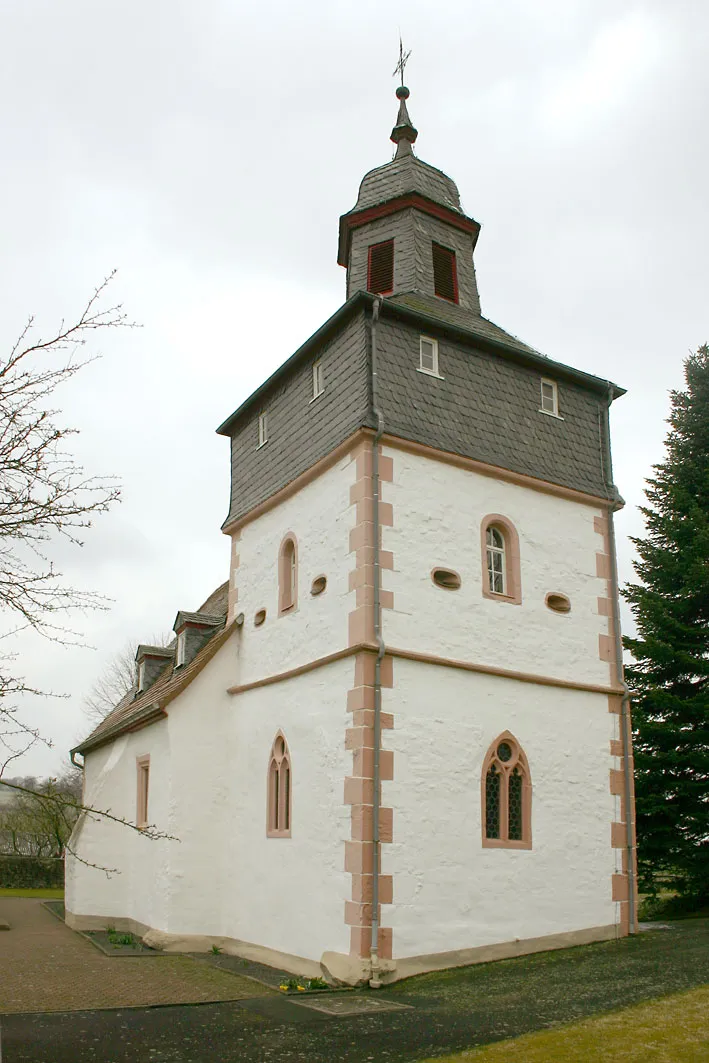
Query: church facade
point(397, 738)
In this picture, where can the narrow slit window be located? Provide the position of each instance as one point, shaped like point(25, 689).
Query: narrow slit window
point(141, 812)
point(288, 575)
point(141, 676)
point(428, 355)
point(262, 429)
point(278, 815)
point(550, 397)
point(506, 796)
point(318, 386)
point(180, 653)
point(445, 274)
point(380, 268)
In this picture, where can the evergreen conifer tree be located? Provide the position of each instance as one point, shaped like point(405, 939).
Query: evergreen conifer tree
point(669, 678)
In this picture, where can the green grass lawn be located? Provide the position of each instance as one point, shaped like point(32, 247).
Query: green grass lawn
point(53, 893)
point(673, 1029)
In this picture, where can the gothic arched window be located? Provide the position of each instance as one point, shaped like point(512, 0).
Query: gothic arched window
point(288, 574)
point(280, 786)
point(501, 575)
point(506, 796)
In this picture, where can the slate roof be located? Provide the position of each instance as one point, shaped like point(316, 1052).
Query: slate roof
point(135, 710)
point(404, 175)
point(453, 314)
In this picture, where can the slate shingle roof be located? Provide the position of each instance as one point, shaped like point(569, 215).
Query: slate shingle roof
point(134, 710)
point(401, 176)
point(453, 314)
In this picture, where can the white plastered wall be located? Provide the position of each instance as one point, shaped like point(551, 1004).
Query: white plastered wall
point(137, 885)
point(438, 510)
point(223, 877)
point(450, 892)
point(320, 517)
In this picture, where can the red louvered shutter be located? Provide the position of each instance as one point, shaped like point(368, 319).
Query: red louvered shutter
point(445, 276)
point(380, 268)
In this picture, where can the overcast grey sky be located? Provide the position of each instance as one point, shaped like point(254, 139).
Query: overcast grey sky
point(207, 150)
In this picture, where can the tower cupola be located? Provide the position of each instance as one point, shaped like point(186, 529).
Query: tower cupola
point(407, 234)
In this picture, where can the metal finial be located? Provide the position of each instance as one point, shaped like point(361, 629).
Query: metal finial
point(403, 134)
point(403, 60)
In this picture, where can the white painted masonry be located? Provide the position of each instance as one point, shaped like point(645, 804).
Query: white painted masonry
point(320, 517)
point(438, 511)
point(450, 893)
point(223, 877)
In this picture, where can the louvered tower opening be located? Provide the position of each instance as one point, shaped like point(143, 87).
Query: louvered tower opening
point(445, 277)
point(380, 268)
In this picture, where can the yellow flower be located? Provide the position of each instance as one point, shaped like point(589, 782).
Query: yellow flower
point(301, 988)
point(283, 987)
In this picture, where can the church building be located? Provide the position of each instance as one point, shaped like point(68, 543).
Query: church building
point(397, 738)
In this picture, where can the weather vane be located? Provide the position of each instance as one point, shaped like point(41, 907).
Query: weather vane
point(403, 60)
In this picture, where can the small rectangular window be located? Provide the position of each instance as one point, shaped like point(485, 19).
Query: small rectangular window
point(141, 812)
point(318, 386)
point(262, 429)
point(429, 356)
point(181, 646)
point(380, 268)
point(445, 275)
point(550, 397)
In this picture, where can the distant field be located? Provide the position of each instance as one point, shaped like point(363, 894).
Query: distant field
point(55, 894)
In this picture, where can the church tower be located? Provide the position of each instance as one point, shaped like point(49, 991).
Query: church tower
point(413, 730)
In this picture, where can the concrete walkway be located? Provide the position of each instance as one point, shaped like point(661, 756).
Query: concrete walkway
point(45, 966)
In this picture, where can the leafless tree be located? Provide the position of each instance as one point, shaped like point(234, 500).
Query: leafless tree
point(41, 817)
point(44, 495)
point(116, 680)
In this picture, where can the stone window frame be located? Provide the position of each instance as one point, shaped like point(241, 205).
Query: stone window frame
point(517, 760)
point(421, 368)
point(554, 411)
point(279, 789)
point(142, 765)
point(262, 429)
point(288, 574)
point(512, 569)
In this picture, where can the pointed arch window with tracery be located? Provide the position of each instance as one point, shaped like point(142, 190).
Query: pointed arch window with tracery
point(280, 788)
point(506, 796)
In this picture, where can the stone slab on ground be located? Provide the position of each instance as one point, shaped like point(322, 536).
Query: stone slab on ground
point(46, 967)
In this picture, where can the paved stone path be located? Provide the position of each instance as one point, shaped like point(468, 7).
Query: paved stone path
point(45, 966)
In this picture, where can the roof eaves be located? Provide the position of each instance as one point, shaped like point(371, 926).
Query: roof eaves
point(334, 322)
point(168, 692)
point(529, 357)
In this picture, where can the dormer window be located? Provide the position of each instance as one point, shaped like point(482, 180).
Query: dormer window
point(180, 653)
point(445, 275)
point(380, 268)
point(262, 429)
point(141, 677)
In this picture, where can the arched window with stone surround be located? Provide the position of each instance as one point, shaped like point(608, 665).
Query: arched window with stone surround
point(506, 796)
point(288, 574)
point(501, 573)
point(280, 788)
